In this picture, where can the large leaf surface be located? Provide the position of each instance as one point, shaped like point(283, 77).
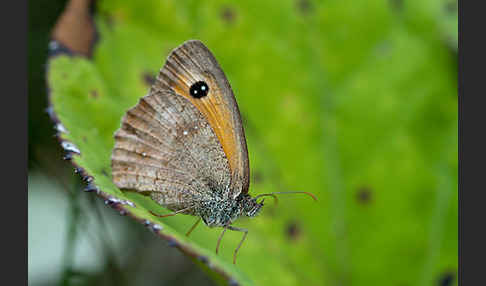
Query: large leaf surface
point(353, 101)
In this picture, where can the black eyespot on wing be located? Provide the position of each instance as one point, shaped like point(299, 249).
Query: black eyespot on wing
point(199, 89)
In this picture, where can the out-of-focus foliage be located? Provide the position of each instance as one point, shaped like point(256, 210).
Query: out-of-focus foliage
point(39, 126)
point(354, 101)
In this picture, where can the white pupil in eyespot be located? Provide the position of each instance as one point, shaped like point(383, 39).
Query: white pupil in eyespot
point(199, 89)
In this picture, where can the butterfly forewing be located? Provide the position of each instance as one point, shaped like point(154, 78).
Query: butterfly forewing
point(190, 64)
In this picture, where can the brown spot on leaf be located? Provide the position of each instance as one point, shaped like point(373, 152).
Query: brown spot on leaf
point(228, 15)
point(84, 139)
point(396, 5)
point(451, 6)
point(293, 230)
point(257, 177)
point(148, 78)
point(304, 6)
point(446, 279)
point(364, 195)
point(110, 20)
point(93, 94)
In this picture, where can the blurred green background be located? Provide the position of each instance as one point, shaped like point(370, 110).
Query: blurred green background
point(355, 101)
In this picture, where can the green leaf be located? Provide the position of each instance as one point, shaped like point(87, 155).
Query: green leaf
point(355, 102)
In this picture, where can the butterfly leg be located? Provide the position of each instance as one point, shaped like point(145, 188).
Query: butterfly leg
point(171, 214)
point(241, 242)
point(193, 227)
point(219, 239)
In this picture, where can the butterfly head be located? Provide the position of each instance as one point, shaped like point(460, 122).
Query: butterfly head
point(251, 207)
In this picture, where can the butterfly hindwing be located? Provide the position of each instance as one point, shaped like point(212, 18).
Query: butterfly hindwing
point(166, 147)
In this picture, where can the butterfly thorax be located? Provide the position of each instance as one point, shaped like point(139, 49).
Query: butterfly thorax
point(222, 212)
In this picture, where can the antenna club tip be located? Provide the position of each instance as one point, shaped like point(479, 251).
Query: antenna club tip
point(292, 192)
point(312, 195)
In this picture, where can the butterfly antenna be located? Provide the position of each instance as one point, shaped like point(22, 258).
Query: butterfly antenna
point(279, 193)
point(268, 195)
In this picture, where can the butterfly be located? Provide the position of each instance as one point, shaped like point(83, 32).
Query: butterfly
point(184, 145)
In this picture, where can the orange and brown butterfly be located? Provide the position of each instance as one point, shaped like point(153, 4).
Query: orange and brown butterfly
point(184, 144)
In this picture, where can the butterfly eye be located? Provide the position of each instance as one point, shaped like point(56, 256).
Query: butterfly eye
point(199, 89)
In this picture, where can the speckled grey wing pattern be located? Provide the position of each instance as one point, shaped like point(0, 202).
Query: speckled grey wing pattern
point(166, 147)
